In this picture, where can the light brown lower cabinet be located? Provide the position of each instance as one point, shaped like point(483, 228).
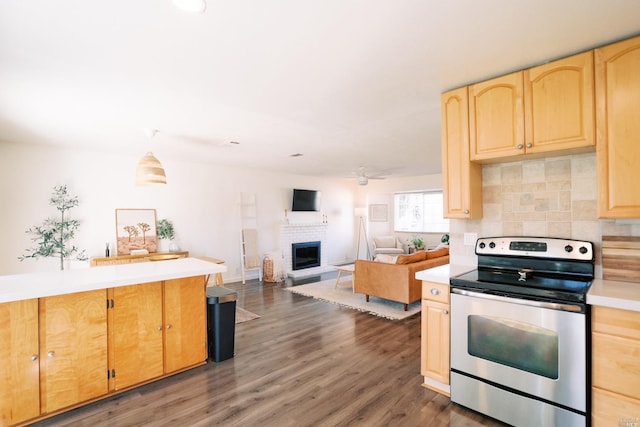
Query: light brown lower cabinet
point(73, 349)
point(19, 362)
point(185, 313)
point(615, 367)
point(435, 336)
point(60, 352)
point(136, 332)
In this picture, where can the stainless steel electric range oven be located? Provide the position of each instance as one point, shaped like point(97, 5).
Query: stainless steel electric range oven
point(520, 331)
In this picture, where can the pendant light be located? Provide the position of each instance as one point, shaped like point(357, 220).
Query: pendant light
point(192, 6)
point(150, 170)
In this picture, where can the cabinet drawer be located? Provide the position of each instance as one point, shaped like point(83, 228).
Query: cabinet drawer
point(612, 321)
point(612, 409)
point(438, 292)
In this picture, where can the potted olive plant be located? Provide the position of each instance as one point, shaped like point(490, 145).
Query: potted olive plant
point(53, 238)
point(165, 235)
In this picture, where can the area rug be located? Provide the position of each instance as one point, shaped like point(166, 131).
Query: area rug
point(243, 315)
point(343, 295)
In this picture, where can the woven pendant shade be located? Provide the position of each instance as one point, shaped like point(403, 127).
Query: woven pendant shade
point(150, 171)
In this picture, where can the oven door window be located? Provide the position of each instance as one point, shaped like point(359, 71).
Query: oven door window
point(512, 343)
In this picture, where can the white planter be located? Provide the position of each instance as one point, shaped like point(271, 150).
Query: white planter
point(164, 245)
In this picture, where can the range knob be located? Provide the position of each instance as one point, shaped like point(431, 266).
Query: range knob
point(482, 245)
point(568, 248)
point(492, 245)
point(583, 250)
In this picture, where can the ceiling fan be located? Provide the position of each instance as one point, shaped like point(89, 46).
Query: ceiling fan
point(364, 177)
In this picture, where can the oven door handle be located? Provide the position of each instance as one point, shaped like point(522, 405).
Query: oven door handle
point(574, 308)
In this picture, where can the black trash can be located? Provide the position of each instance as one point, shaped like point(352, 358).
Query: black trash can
point(221, 322)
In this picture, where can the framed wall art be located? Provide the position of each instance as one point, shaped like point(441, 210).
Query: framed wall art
point(378, 213)
point(136, 230)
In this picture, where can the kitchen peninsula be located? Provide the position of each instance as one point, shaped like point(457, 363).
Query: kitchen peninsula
point(72, 337)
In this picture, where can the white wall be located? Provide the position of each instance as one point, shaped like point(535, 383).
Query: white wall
point(202, 200)
point(382, 191)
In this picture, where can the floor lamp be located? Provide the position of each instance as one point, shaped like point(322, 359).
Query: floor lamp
point(362, 213)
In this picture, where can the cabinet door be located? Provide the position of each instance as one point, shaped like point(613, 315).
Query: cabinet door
point(73, 349)
point(618, 124)
point(136, 330)
point(435, 341)
point(20, 369)
point(462, 179)
point(559, 105)
point(496, 117)
point(185, 323)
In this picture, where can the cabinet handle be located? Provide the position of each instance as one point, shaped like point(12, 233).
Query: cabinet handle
point(34, 357)
point(529, 145)
point(168, 326)
point(435, 291)
point(445, 311)
point(159, 328)
point(51, 353)
point(520, 146)
point(466, 211)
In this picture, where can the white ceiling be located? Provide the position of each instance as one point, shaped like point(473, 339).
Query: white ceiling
point(346, 83)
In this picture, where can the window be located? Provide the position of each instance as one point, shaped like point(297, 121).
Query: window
point(420, 212)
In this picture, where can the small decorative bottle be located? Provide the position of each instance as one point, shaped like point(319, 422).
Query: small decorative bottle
point(106, 251)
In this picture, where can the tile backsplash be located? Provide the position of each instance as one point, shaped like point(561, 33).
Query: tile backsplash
point(550, 197)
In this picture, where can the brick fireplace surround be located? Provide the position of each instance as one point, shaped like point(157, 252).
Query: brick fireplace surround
point(304, 232)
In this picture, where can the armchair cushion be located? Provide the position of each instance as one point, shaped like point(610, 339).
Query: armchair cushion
point(387, 245)
point(385, 242)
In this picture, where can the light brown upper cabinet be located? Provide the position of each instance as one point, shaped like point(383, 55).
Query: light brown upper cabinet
point(462, 189)
point(618, 123)
point(496, 117)
point(539, 110)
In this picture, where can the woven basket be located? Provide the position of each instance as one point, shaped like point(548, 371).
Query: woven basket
point(269, 275)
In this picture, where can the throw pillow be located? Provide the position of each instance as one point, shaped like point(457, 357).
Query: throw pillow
point(387, 259)
point(437, 253)
point(408, 259)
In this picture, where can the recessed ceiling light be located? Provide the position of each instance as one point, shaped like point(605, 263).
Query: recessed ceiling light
point(193, 6)
point(296, 155)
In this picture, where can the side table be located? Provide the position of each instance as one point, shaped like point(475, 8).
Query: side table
point(349, 268)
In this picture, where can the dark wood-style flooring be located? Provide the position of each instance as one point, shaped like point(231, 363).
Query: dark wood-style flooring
point(303, 363)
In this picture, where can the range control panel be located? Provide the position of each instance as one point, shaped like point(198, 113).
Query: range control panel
point(539, 247)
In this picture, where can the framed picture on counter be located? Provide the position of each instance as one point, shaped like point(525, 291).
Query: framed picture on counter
point(136, 230)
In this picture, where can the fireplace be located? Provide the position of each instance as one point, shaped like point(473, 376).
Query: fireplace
point(305, 255)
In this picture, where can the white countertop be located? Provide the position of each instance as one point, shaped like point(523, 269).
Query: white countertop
point(35, 285)
point(614, 294)
point(441, 274)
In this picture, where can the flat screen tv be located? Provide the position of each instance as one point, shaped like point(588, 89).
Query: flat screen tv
point(305, 200)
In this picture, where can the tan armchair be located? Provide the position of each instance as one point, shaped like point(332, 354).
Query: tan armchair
point(387, 245)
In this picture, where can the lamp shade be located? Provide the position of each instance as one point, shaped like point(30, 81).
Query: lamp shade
point(193, 6)
point(362, 212)
point(150, 171)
